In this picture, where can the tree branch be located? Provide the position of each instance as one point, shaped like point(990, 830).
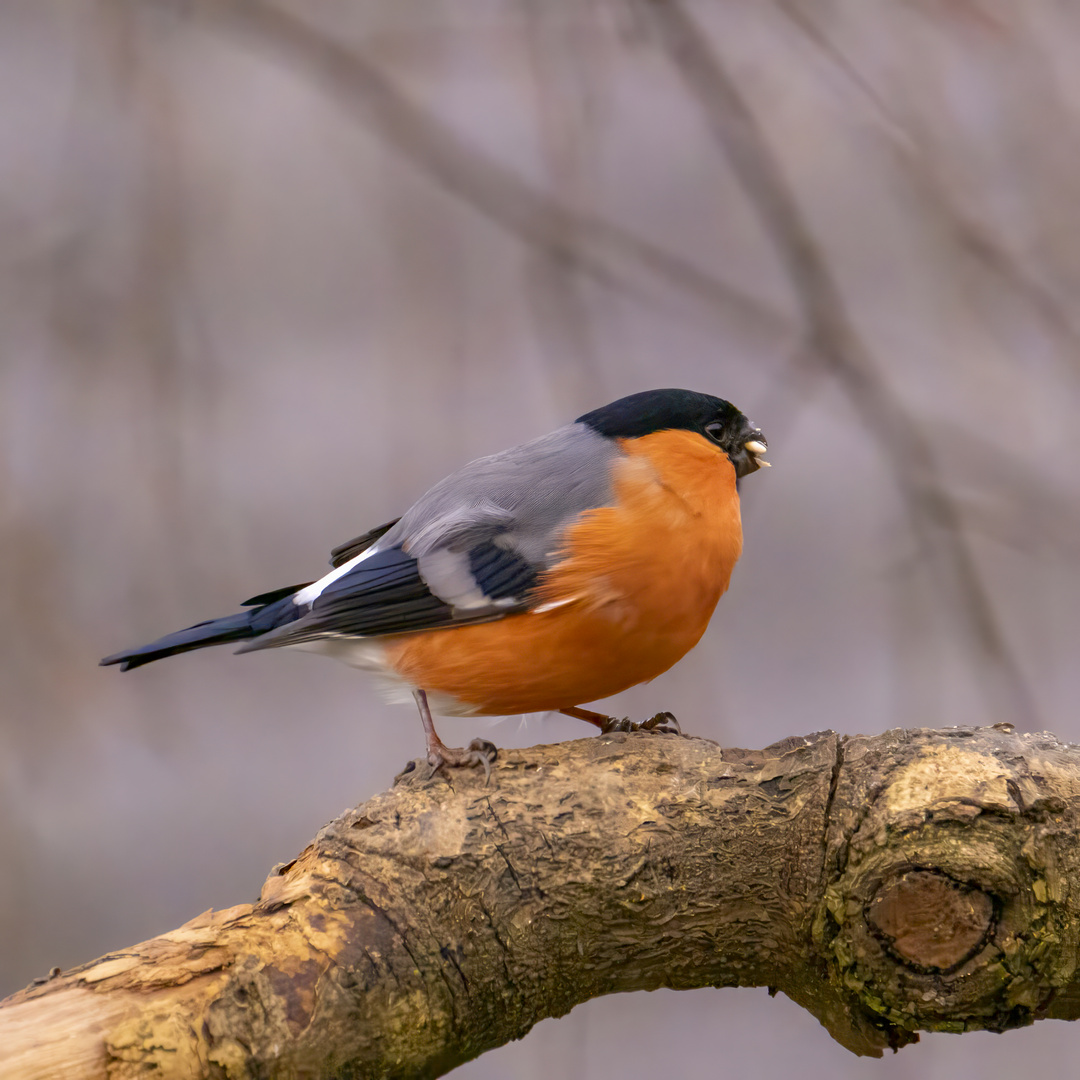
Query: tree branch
point(912, 880)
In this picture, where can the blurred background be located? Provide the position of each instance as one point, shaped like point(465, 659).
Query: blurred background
point(267, 272)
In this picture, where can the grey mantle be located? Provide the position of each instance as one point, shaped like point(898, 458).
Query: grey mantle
point(920, 879)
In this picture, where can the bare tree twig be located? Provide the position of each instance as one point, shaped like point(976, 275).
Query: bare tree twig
point(973, 235)
point(595, 247)
point(834, 343)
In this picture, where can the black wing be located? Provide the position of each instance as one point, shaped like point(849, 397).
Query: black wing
point(338, 557)
point(500, 573)
point(274, 595)
point(386, 594)
point(359, 544)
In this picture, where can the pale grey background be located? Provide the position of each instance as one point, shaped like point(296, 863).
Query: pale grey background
point(250, 307)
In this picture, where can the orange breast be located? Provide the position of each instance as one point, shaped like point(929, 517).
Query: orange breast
point(632, 592)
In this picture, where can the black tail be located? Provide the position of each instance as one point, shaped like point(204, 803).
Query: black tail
point(240, 627)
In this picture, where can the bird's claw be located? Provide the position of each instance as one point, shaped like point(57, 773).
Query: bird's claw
point(478, 752)
point(663, 723)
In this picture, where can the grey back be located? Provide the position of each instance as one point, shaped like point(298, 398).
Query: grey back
point(520, 499)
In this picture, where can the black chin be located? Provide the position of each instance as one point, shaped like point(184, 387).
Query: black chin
point(745, 463)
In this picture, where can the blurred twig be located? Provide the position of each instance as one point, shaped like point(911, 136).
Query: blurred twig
point(973, 235)
point(566, 143)
point(833, 343)
point(591, 245)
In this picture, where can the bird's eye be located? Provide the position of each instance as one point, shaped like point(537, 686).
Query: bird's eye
point(715, 431)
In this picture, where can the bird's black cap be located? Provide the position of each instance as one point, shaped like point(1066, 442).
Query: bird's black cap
point(663, 410)
point(658, 410)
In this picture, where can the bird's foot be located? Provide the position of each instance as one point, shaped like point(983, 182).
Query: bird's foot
point(478, 752)
point(439, 755)
point(663, 723)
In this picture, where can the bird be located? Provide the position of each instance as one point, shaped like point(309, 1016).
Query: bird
point(537, 579)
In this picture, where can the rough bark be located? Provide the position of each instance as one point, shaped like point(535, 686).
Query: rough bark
point(914, 880)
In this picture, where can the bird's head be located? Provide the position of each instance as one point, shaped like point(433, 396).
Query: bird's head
point(714, 419)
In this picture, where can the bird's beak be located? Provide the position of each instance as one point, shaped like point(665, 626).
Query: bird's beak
point(747, 458)
point(755, 448)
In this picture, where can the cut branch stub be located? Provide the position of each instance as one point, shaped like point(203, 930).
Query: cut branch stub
point(944, 905)
point(930, 922)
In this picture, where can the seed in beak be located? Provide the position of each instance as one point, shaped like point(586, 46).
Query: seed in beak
point(755, 447)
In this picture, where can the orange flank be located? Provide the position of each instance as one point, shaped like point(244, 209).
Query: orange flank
point(631, 593)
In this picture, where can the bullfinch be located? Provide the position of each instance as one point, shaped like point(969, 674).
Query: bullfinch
point(558, 572)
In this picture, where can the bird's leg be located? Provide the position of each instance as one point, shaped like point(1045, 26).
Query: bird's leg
point(599, 719)
point(663, 722)
point(478, 752)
